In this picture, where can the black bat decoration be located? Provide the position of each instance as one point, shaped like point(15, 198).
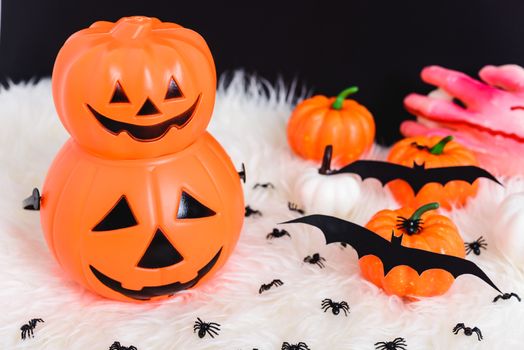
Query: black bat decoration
point(417, 176)
point(392, 254)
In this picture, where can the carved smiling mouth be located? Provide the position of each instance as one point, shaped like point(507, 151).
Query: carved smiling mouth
point(147, 293)
point(145, 133)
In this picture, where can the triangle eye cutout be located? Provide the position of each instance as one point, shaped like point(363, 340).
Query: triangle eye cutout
point(119, 217)
point(119, 96)
point(173, 91)
point(190, 208)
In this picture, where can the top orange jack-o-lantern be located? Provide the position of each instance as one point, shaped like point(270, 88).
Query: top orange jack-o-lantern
point(136, 88)
point(141, 202)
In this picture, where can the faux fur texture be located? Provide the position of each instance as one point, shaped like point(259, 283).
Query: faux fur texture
point(249, 120)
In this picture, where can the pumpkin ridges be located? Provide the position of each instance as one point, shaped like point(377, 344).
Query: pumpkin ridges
point(78, 68)
point(438, 234)
point(312, 126)
point(345, 149)
point(329, 131)
point(358, 134)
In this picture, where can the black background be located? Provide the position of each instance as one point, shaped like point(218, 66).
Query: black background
point(381, 46)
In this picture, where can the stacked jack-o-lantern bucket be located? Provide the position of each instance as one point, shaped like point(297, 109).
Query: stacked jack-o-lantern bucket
point(141, 202)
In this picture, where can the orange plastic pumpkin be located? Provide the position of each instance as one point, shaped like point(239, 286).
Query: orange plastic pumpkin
point(141, 202)
point(142, 229)
point(433, 152)
point(422, 230)
point(320, 121)
point(135, 88)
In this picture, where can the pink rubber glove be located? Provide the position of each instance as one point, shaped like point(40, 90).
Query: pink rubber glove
point(492, 124)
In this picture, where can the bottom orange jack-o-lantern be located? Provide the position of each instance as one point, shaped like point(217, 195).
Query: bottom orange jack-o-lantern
point(144, 229)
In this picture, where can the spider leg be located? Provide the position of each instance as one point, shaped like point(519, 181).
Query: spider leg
point(382, 346)
point(214, 325)
point(211, 330)
point(479, 333)
point(458, 327)
point(516, 296)
point(210, 334)
point(401, 341)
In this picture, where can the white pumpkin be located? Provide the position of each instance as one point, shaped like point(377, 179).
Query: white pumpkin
point(334, 195)
point(509, 228)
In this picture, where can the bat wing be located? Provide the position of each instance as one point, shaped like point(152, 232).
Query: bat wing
point(422, 260)
point(382, 171)
point(467, 173)
point(364, 241)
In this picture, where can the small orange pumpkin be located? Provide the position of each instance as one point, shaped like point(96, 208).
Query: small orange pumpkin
point(136, 88)
point(433, 152)
point(320, 121)
point(421, 230)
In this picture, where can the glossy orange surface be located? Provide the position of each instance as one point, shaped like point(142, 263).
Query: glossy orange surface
point(81, 189)
point(143, 58)
point(314, 124)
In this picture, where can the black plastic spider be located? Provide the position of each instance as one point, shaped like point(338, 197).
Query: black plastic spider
point(264, 287)
point(397, 344)
point(299, 346)
point(116, 346)
point(242, 173)
point(251, 212)
point(419, 147)
point(475, 246)
point(315, 259)
point(276, 233)
point(335, 307)
point(204, 328)
point(27, 329)
point(264, 185)
point(294, 207)
point(506, 296)
point(409, 226)
point(467, 331)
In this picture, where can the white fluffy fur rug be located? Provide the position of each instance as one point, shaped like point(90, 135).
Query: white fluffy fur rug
point(249, 120)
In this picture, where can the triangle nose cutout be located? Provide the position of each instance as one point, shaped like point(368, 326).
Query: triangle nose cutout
point(148, 108)
point(160, 253)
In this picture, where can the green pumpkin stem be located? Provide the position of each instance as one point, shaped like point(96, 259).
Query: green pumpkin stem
point(418, 213)
point(339, 102)
point(325, 168)
point(439, 147)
